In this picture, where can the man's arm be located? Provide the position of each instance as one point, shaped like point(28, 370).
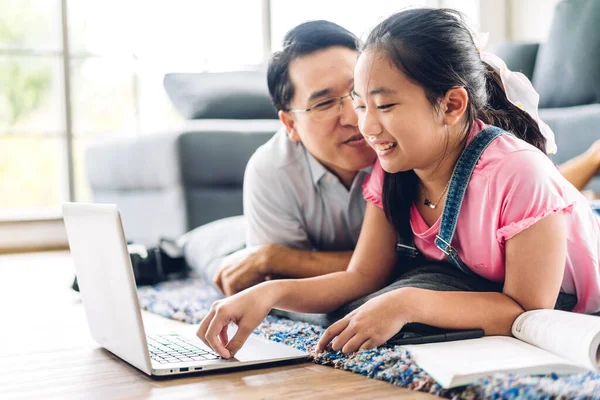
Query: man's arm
point(277, 240)
point(252, 266)
point(295, 263)
point(275, 225)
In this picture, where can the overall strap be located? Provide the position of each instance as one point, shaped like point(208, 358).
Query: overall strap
point(456, 193)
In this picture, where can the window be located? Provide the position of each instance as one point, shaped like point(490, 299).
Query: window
point(32, 130)
point(118, 52)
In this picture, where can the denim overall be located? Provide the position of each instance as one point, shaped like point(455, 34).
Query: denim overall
point(456, 193)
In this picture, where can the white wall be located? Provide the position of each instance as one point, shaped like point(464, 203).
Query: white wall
point(489, 16)
point(530, 20)
point(493, 15)
point(519, 20)
point(470, 8)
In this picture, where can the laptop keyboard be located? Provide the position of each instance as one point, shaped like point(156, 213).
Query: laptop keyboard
point(172, 348)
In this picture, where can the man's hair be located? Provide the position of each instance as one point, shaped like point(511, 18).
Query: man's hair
point(302, 40)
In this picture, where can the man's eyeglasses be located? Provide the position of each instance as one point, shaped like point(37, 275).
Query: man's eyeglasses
point(325, 109)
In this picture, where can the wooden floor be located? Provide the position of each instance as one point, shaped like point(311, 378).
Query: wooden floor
point(47, 352)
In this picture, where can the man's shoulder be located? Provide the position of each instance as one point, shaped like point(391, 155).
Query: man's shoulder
point(278, 155)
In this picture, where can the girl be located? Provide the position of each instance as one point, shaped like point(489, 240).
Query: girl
point(426, 102)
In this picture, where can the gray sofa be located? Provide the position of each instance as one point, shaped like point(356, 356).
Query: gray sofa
point(166, 184)
point(565, 71)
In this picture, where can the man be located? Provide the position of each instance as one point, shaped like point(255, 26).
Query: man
point(303, 189)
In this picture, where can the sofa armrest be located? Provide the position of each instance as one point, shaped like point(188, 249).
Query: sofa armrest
point(141, 175)
point(519, 57)
point(575, 128)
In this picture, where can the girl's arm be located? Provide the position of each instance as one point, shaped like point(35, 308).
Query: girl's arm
point(369, 270)
point(535, 262)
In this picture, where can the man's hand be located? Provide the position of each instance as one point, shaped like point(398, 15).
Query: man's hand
point(245, 268)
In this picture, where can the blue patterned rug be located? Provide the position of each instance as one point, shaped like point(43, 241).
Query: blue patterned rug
point(190, 300)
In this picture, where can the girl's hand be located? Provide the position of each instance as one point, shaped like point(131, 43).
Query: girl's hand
point(367, 327)
point(246, 309)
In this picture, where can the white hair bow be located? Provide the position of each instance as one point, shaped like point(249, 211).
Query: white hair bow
point(519, 90)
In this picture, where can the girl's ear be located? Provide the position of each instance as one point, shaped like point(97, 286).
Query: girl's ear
point(288, 120)
point(454, 105)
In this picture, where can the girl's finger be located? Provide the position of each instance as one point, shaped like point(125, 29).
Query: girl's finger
point(369, 345)
point(331, 332)
point(354, 343)
point(204, 325)
point(223, 337)
point(343, 338)
point(218, 323)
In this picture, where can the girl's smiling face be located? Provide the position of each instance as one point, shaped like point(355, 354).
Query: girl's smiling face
point(396, 117)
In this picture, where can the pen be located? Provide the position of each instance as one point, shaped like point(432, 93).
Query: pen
point(442, 337)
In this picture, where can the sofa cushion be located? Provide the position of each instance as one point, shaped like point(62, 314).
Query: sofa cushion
point(566, 69)
point(227, 95)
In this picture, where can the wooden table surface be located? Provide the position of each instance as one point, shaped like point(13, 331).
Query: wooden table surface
point(47, 352)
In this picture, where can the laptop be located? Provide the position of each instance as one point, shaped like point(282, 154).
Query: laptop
point(109, 295)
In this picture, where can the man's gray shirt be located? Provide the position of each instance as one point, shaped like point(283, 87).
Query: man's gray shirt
point(293, 200)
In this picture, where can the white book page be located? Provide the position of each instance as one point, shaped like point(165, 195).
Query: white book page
point(573, 336)
point(464, 361)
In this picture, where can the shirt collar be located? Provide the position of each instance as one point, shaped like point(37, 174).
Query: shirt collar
point(318, 171)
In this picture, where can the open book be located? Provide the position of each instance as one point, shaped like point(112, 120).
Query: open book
point(545, 341)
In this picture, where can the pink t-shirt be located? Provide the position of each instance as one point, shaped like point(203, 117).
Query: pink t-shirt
point(513, 186)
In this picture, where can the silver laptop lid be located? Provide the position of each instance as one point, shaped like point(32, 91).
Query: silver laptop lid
point(106, 280)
